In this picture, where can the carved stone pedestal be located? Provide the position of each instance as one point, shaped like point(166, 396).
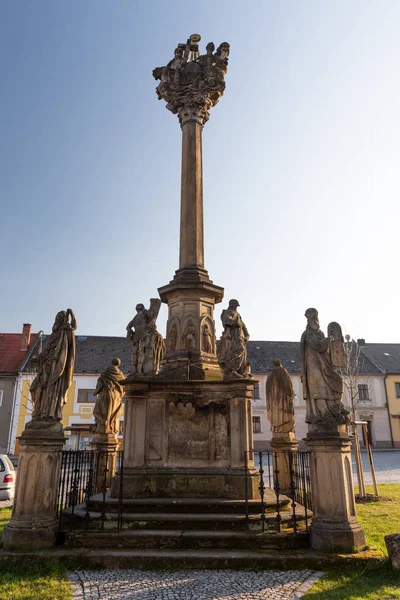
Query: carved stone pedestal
point(334, 526)
point(33, 523)
point(188, 439)
point(105, 446)
point(282, 444)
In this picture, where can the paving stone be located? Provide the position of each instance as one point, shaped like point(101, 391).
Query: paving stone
point(114, 584)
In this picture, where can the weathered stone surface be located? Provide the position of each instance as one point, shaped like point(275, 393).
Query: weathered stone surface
point(187, 438)
point(392, 542)
point(232, 354)
point(148, 346)
point(33, 522)
point(322, 382)
point(55, 369)
point(108, 407)
point(334, 526)
point(192, 84)
point(280, 400)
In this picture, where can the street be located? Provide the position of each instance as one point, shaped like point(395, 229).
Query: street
point(387, 466)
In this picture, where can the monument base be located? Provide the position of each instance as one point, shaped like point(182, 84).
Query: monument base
point(33, 522)
point(283, 444)
point(334, 526)
point(187, 483)
point(188, 438)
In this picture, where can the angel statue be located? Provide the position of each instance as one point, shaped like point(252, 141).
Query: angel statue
point(55, 369)
point(321, 357)
point(148, 346)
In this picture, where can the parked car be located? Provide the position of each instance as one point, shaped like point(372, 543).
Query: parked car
point(7, 478)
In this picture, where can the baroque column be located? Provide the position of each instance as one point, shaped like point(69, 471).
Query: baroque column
point(191, 84)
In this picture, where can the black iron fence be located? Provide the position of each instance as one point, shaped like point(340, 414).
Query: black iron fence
point(287, 475)
point(84, 490)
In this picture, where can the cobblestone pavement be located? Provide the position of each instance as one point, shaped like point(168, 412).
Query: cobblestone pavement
point(191, 585)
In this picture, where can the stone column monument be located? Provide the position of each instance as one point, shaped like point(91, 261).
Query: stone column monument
point(33, 522)
point(334, 526)
point(188, 420)
point(280, 410)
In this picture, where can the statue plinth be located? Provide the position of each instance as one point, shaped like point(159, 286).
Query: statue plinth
point(187, 439)
point(33, 522)
point(334, 527)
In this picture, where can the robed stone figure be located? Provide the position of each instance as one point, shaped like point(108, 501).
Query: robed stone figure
point(55, 369)
point(322, 382)
point(148, 346)
point(280, 399)
point(232, 354)
point(109, 392)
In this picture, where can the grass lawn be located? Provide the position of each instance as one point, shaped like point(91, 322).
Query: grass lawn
point(378, 519)
point(39, 580)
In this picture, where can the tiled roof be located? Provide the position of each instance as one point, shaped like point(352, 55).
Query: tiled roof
point(94, 354)
point(11, 355)
point(387, 356)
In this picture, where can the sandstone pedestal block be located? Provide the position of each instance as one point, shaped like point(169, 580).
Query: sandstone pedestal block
point(188, 438)
point(282, 445)
point(334, 526)
point(33, 522)
point(105, 446)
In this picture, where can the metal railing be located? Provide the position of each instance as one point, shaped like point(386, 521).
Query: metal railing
point(287, 474)
point(85, 480)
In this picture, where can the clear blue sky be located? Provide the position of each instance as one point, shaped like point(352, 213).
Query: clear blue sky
point(301, 162)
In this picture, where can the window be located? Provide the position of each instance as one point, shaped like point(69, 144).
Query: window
point(256, 424)
point(121, 428)
point(397, 389)
point(256, 392)
point(2, 467)
point(86, 396)
point(1, 397)
point(363, 392)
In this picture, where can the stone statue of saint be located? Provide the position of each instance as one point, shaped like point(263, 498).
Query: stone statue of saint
point(233, 344)
point(148, 346)
point(189, 336)
point(322, 382)
point(109, 392)
point(207, 339)
point(55, 369)
point(280, 399)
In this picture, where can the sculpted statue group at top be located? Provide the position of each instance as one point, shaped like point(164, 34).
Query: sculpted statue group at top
point(55, 369)
point(193, 81)
point(148, 346)
point(321, 357)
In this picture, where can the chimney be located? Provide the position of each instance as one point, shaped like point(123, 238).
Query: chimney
point(361, 342)
point(26, 336)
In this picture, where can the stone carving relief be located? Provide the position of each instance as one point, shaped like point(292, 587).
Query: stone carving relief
point(191, 84)
point(189, 335)
point(322, 383)
point(233, 343)
point(172, 337)
point(55, 369)
point(280, 399)
point(207, 336)
point(148, 346)
point(109, 392)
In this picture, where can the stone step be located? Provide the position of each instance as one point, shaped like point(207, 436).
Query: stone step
point(188, 505)
point(200, 559)
point(181, 539)
point(178, 521)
